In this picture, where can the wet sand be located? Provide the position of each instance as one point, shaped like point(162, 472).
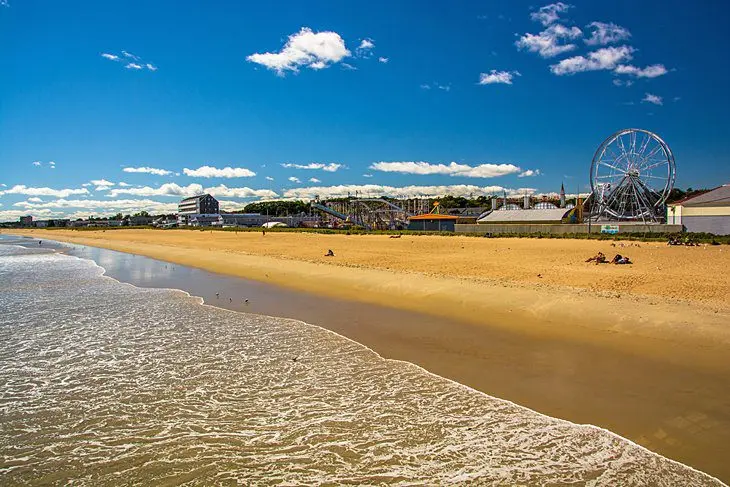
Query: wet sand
point(650, 388)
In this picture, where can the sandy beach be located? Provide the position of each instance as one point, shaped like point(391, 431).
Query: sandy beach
point(640, 350)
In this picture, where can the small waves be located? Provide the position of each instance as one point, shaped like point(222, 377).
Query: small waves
point(104, 383)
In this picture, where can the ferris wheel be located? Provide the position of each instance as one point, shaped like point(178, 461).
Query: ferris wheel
point(632, 174)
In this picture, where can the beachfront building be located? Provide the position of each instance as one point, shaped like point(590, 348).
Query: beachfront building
point(26, 221)
point(708, 212)
point(432, 222)
point(203, 204)
point(202, 209)
point(137, 221)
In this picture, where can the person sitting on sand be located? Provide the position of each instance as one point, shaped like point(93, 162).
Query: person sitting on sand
point(619, 259)
point(329, 253)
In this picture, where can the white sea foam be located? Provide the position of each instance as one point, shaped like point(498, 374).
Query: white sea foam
point(101, 381)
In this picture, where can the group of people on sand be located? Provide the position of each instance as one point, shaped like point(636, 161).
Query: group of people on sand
point(618, 259)
point(688, 241)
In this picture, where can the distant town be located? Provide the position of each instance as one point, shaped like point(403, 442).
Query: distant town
point(552, 213)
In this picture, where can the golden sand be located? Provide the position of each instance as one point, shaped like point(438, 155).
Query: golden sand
point(641, 349)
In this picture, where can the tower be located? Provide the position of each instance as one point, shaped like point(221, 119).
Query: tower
point(562, 195)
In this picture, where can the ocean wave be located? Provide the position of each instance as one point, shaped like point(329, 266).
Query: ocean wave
point(106, 383)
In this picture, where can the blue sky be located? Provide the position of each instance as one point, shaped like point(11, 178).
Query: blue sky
point(400, 98)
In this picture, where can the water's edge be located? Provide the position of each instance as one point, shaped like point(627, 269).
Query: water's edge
point(201, 301)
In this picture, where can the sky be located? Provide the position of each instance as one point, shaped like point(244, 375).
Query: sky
point(110, 107)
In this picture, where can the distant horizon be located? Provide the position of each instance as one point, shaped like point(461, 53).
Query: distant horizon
point(260, 102)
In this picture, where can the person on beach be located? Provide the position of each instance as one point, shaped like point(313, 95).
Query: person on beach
point(599, 258)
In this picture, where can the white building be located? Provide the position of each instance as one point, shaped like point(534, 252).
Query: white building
point(706, 213)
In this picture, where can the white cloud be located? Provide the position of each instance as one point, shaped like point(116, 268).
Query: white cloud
point(57, 193)
point(549, 13)
point(124, 185)
point(529, 173)
point(130, 55)
point(10, 215)
point(101, 182)
point(331, 167)
point(148, 170)
point(366, 44)
point(269, 178)
point(606, 34)
point(133, 62)
point(305, 48)
point(383, 60)
point(36, 163)
point(52, 164)
point(452, 169)
point(214, 172)
point(548, 42)
point(495, 77)
point(96, 205)
point(367, 175)
point(226, 192)
point(653, 71)
point(655, 99)
point(35, 199)
point(437, 86)
point(314, 180)
point(605, 58)
point(376, 190)
point(619, 82)
point(167, 189)
point(294, 179)
point(172, 189)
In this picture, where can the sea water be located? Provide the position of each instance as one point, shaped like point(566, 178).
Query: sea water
point(104, 383)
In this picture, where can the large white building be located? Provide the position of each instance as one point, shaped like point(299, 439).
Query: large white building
point(707, 213)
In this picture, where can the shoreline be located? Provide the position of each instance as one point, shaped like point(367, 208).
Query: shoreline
point(640, 386)
point(222, 305)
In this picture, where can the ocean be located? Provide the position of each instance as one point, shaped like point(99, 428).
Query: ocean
point(105, 383)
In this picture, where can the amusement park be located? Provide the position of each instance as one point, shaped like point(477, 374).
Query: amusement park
point(631, 176)
point(629, 182)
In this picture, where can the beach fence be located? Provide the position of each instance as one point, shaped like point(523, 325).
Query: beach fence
point(563, 228)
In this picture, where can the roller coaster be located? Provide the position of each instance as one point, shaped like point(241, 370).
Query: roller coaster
point(369, 213)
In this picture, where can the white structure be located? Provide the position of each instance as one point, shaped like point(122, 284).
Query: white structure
point(707, 213)
point(554, 215)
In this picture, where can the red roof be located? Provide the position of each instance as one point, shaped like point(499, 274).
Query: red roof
point(433, 216)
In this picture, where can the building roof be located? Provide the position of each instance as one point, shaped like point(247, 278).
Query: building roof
point(196, 197)
point(717, 197)
point(519, 216)
point(433, 216)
